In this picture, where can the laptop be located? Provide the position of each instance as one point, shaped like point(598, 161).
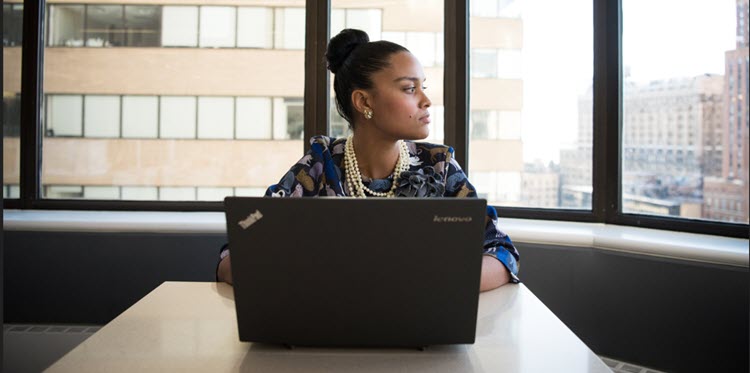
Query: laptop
point(346, 272)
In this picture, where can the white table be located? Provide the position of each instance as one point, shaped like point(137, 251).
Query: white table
point(192, 327)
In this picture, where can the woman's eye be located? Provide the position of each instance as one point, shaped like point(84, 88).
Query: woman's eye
point(410, 89)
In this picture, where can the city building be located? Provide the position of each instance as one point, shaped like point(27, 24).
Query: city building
point(189, 100)
point(726, 192)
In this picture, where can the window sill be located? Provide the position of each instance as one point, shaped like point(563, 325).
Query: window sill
point(642, 241)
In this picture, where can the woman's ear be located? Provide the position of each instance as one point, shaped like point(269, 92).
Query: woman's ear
point(361, 101)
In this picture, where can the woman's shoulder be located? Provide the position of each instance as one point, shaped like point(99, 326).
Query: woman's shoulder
point(322, 143)
point(431, 153)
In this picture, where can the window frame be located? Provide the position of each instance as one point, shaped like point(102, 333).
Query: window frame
point(607, 114)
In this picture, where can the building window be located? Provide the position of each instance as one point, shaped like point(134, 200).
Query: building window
point(483, 63)
point(179, 26)
point(101, 116)
point(177, 117)
point(253, 118)
point(217, 26)
point(12, 115)
point(289, 31)
point(66, 25)
point(142, 25)
point(12, 25)
point(140, 117)
point(288, 118)
point(254, 27)
point(215, 117)
point(105, 26)
point(64, 115)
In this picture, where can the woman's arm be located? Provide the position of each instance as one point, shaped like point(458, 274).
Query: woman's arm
point(224, 272)
point(494, 274)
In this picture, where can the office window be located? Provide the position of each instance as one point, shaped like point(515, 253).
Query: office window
point(177, 193)
point(215, 117)
point(217, 26)
point(509, 64)
point(288, 118)
point(12, 38)
point(179, 26)
point(105, 26)
point(496, 8)
point(12, 115)
point(254, 27)
point(63, 191)
point(140, 116)
point(367, 20)
point(214, 193)
point(484, 63)
point(139, 193)
point(289, 29)
point(12, 25)
point(253, 118)
point(64, 115)
point(156, 142)
point(680, 82)
point(142, 25)
point(249, 192)
point(417, 27)
point(65, 25)
point(101, 192)
point(424, 46)
point(101, 116)
point(177, 117)
point(522, 126)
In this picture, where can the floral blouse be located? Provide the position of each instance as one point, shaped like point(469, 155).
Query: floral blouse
point(432, 173)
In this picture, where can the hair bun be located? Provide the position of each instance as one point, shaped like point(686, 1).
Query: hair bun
point(342, 45)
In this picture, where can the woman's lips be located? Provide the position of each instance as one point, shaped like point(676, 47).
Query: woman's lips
point(425, 119)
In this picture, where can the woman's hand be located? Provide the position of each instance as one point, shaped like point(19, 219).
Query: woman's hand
point(224, 273)
point(494, 274)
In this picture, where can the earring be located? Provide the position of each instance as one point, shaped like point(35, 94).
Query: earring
point(368, 113)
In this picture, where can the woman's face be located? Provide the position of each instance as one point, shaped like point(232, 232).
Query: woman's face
point(398, 99)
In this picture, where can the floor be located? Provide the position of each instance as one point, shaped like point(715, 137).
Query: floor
point(33, 348)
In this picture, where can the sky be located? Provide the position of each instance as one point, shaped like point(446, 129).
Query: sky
point(661, 39)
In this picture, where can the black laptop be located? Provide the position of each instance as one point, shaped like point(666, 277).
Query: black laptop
point(356, 272)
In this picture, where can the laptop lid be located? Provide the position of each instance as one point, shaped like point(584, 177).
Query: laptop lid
point(356, 272)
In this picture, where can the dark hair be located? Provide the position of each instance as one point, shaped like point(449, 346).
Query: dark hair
point(353, 59)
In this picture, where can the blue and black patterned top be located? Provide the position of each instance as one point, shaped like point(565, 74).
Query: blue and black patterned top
point(321, 173)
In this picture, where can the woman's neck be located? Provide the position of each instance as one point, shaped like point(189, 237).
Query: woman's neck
point(376, 156)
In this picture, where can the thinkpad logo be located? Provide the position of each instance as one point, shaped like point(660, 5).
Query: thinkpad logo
point(451, 219)
point(251, 219)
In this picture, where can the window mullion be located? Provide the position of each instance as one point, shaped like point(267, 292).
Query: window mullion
point(31, 95)
point(456, 79)
point(607, 110)
point(317, 19)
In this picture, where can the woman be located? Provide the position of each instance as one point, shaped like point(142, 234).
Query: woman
point(380, 91)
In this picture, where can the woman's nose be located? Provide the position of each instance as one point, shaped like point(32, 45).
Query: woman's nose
point(425, 102)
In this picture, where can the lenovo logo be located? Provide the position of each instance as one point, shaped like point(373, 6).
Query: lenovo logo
point(451, 219)
point(250, 219)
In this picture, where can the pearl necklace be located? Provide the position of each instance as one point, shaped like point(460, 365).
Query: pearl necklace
point(354, 177)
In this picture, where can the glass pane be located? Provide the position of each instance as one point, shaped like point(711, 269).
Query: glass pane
point(685, 111)
point(101, 116)
point(418, 26)
point(254, 27)
point(65, 25)
point(531, 121)
point(12, 40)
point(105, 26)
point(217, 27)
point(142, 25)
point(200, 105)
point(179, 26)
